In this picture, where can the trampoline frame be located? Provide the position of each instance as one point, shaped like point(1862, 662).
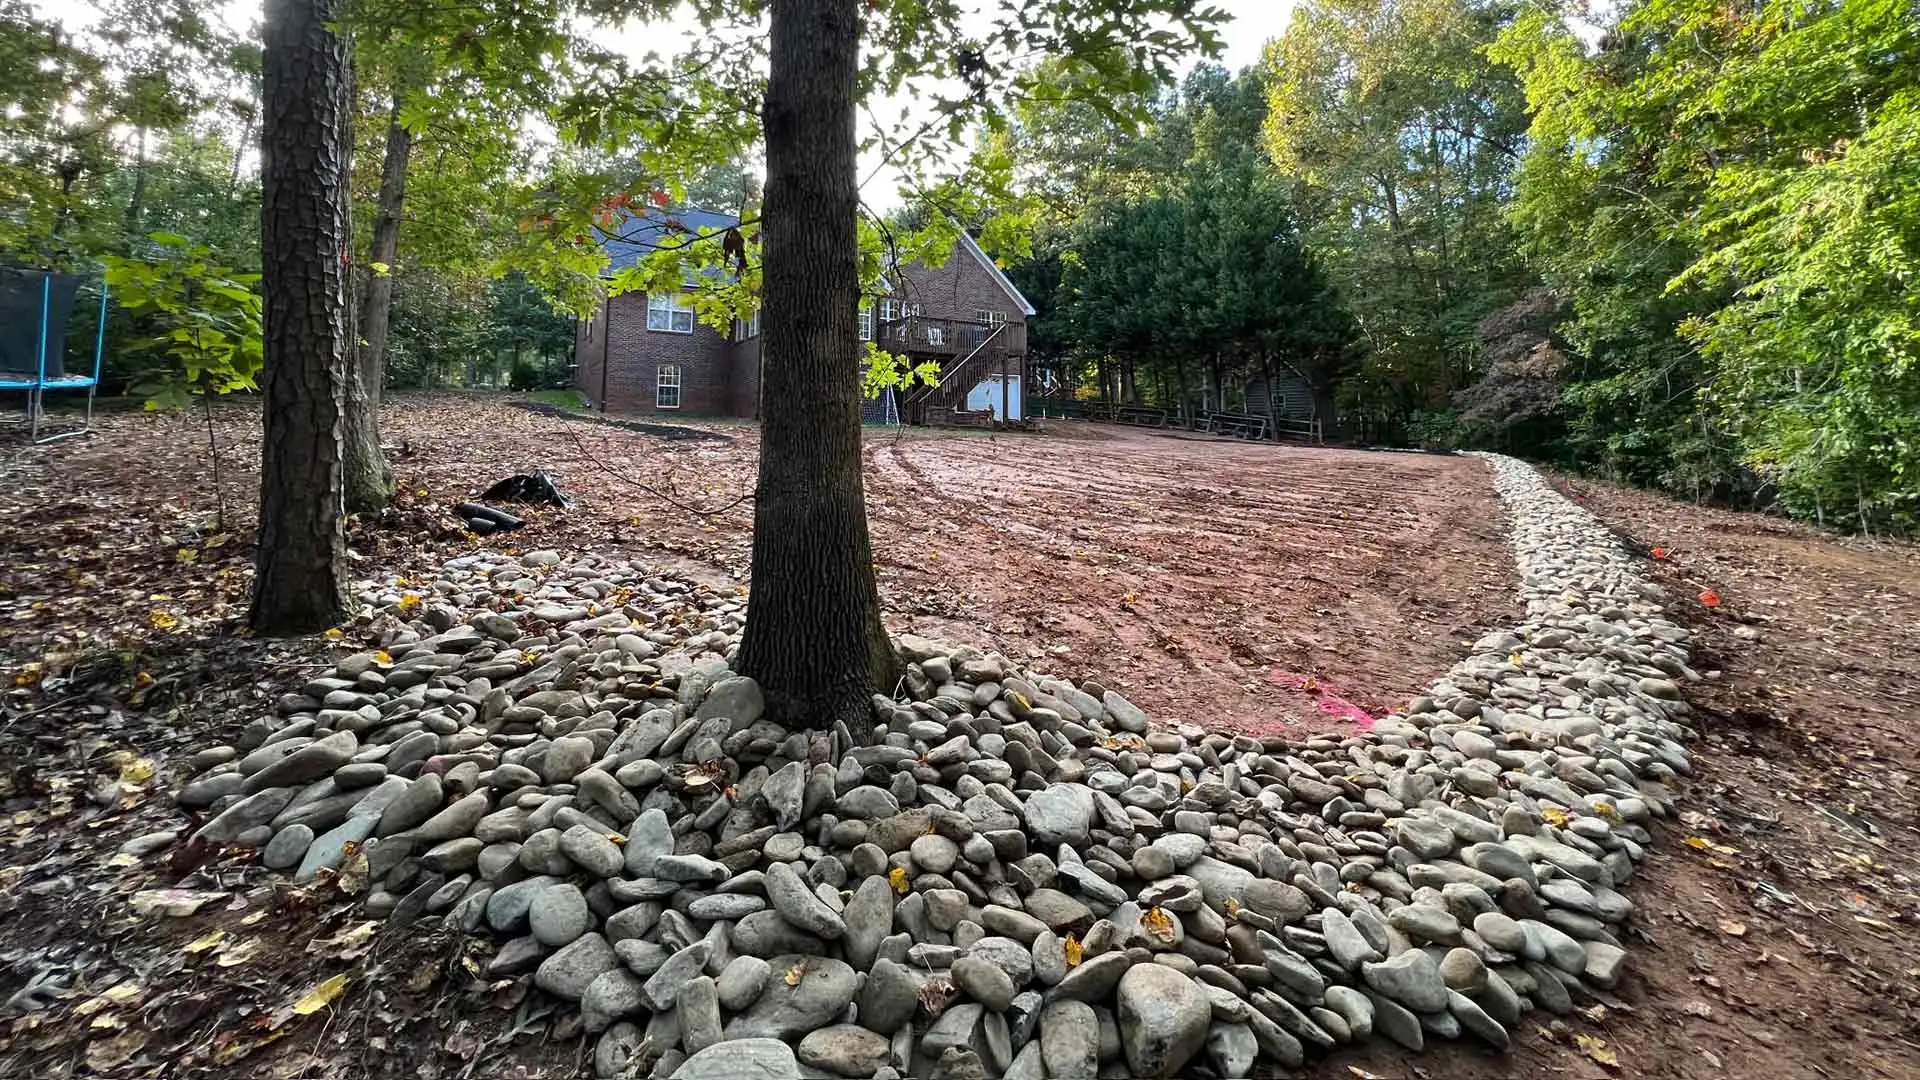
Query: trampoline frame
point(37, 384)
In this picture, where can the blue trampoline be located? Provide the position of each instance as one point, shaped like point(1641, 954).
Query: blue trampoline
point(35, 308)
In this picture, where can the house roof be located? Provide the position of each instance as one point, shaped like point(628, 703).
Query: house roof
point(639, 235)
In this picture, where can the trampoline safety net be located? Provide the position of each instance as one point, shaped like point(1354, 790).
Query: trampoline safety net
point(25, 295)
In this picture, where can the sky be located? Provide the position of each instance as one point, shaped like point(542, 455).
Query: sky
point(1253, 23)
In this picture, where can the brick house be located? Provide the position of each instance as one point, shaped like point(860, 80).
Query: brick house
point(647, 353)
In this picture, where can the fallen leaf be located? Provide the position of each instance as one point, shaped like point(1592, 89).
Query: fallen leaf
point(354, 873)
point(175, 902)
point(137, 771)
point(897, 877)
point(239, 954)
point(208, 941)
point(1733, 928)
point(321, 996)
point(118, 994)
point(1159, 924)
point(796, 973)
point(1074, 951)
point(1709, 598)
point(106, 1054)
point(1596, 1048)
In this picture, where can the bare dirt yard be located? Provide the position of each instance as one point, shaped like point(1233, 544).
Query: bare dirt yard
point(1240, 587)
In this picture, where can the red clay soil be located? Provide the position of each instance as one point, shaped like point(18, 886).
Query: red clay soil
point(1242, 587)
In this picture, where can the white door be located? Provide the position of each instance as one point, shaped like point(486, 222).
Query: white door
point(987, 395)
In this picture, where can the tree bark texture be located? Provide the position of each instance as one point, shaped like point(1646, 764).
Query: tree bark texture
point(369, 478)
point(813, 637)
point(306, 232)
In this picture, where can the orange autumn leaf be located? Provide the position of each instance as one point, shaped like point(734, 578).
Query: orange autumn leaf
point(1660, 553)
point(1159, 924)
point(1709, 598)
point(1074, 951)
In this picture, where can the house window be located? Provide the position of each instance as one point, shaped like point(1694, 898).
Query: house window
point(990, 318)
point(669, 313)
point(746, 329)
point(866, 323)
point(892, 310)
point(666, 394)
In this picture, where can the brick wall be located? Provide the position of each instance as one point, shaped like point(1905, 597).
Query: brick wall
point(956, 289)
point(718, 377)
point(632, 357)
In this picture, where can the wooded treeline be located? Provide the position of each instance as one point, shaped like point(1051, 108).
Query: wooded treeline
point(1677, 249)
point(147, 123)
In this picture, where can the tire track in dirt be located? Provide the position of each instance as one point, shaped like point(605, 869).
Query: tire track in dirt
point(1202, 577)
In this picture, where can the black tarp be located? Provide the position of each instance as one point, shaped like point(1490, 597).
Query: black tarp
point(22, 292)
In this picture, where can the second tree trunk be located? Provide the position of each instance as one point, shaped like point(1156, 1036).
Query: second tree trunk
point(369, 477)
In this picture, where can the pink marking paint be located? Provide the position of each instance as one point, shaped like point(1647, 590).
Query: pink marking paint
point(1330, 702)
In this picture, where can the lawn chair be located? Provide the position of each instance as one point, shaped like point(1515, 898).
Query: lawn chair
point(34, 309)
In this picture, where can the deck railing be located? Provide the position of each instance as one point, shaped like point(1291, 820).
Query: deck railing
point(952, 337)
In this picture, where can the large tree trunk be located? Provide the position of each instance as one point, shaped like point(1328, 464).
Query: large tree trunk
point(813, 637)
point(369, 478)
point(306, 229)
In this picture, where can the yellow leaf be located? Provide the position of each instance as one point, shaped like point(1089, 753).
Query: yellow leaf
point(382, 657)
point(794, 974)
point(897, 877)
point(321, 996)
point(204, 943)
point(1596, 1049)
point(334, 633)
point(1020, 699)
point(616, 839)
point(186, 555)
point(1555, 816)
point(137, 771)
point(162, 619)
point(142, 680)
point(1074, 951)
point(1232, 907)
point(1607, 812)
point(408, 602)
